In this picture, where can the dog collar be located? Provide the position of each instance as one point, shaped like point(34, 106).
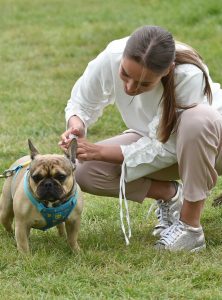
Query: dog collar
point(52, 215)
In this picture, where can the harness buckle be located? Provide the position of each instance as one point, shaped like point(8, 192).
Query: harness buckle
point(8, 173)
point(11, 172)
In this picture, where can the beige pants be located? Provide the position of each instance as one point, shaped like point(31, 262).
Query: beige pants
point(199, 156)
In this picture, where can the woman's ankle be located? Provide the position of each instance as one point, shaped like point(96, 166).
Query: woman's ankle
point(164, 190)
point(191, 212)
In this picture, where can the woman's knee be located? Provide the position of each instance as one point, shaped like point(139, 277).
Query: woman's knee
point(94, 176)
point(81, 169)
point(196, 122)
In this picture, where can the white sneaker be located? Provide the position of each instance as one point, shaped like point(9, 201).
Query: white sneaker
point(168, 211)
point(181, 236)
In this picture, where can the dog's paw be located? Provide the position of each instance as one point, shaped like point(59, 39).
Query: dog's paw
point(75, 248)
point(217, 201)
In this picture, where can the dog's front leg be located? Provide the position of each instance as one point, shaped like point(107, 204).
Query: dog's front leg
point(21, 236)
point(61, 230)
point(72, 230)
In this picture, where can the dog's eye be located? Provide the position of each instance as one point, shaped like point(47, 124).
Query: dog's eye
point(60, 177)
point(37, 178)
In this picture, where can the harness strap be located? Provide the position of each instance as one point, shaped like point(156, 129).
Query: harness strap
point(14, 172)
point(52, 215)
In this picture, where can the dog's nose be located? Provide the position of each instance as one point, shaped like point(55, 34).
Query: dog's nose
point(48, 184)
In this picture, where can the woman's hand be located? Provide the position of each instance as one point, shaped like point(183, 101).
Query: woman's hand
point(88, 151)
point(76, 128)
point(100, 152)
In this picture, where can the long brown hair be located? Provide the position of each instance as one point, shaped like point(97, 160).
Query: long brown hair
point(154, 48)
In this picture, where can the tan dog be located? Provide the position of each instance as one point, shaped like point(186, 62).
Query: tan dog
point(47, 185)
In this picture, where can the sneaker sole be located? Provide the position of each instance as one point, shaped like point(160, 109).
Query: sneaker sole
point(197, 249)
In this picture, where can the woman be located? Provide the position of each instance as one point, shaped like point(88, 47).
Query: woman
point(163, 92)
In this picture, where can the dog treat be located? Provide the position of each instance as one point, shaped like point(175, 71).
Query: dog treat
point(73, 136)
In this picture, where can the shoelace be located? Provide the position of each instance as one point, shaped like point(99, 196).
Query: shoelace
point(171, 233)
point(162, 211)
point(150, 210)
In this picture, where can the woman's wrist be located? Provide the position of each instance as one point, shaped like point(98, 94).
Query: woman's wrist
point(77, 126)
point(75, 121)
point(102, 153)
point(110, 153)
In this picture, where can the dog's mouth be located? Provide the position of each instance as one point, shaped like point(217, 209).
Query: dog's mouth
point(49, 196)
point(49, 199)
point(50, 191)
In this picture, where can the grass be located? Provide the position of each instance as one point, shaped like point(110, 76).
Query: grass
point(45, 46)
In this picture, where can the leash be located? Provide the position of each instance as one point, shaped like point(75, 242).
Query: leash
point(10, 172)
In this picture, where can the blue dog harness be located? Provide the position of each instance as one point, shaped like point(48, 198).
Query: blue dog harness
point(52, 215)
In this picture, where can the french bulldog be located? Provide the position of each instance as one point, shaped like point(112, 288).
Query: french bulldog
point(42, 193)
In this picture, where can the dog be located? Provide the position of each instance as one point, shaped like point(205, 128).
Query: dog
point(41, 194)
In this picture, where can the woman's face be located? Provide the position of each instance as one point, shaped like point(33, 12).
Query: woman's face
point(137, 79)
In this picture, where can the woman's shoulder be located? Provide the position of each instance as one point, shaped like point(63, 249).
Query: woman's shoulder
point(117, 46)
point(187, 70)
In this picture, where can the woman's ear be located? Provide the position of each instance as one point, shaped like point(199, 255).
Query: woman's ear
point(168, 70)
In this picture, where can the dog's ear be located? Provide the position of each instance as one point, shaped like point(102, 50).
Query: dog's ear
point(71, 151)
point(33, 150)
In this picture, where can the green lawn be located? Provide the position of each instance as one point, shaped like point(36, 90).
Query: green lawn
point(44, 47)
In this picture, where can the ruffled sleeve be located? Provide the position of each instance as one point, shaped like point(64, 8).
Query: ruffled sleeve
point(148, 155)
